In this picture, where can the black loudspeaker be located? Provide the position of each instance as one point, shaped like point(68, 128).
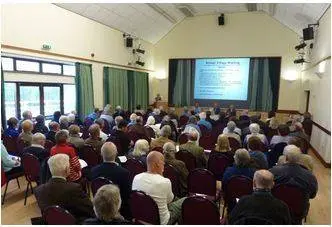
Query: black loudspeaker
point(308, 33)
point(129, 42)
point(221, 19)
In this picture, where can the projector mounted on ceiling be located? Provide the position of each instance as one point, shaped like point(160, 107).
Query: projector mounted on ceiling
point(186, 10)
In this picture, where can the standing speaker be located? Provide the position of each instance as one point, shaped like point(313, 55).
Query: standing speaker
point(221, 19)
point(308, 33)
point(129, 42)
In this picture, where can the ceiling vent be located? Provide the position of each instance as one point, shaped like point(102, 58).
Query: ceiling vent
point(186, 10)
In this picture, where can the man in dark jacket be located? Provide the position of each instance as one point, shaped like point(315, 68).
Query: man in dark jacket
point(261, 207)
point(119, 133)
point(54, 128)
point(37, 147)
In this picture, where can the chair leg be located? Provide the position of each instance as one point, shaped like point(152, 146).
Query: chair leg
point(26, 194)
point(4, 195)
point(18, 183)
point(31, 188)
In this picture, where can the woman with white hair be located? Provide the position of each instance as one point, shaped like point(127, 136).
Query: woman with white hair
point(150, 123)
point(107, 114)
point(64, 122)
point(254, 129)
point(141, 150)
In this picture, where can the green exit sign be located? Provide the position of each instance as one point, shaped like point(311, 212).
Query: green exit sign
point(46, 47)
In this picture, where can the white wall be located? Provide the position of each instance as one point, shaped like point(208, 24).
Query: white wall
point(243, 35)
point(32, 25)
point(320, 86)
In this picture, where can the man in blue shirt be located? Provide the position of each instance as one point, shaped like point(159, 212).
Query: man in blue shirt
point(12, 127)
point(204, 122)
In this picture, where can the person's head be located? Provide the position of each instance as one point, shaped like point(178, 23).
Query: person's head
point(155, 162)
point(139, 120)
point(254, 143)
point(192, 120)
point(56, 115)
point(283, 130)
point(254, 128)
point(38, 139)
point(117, 120)
point(122, 125)
point(193, 136)
point(292, 154)
point(306, 115)
point(296, 141)
point(54, 126)
point(12, 122)
point(74, 130)
point(27, 126)
point(118, 108)
point(40, 119)
point(100, 122)
point(298, 126)
point(165, 131)
point(231, 126)
point(94, 131)
point(231, 106)
point(141, 148)
point(59, 165)
point(241, 158)
point(271, 114)
point(307, 161)
point(202, 115)
point(133, 117)
point(169, 150)
point(63, 120)
point(156, 111)
point(263, 179)
point(109, 152)
point(107, 109)
point(274, 123)
point(71, 118)
point(107, 203)
point(223, 144)
point(61, 137)
point(171, 110)
point(151, 120)
point(27, 115)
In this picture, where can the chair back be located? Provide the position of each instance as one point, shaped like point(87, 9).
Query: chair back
point(207, 142)
point(172, 174)
point(234, 144)
point(275, 153)
point(31, 167)
point(217, 164)
point(183, 138)
point(55, 215)
point(90, 155)
point(150, 132)
point(202, 181)
point(197, 210)
point(293, 196)
point(236, 187)
point(204, 130)
point(135, 167)
point(159, 149)
point(98, 183)
point(188, 159)
point(3, 177)
point(144, 209)
point(21, 144)
point(48, 145)
point(183, 120)
point(10, 143)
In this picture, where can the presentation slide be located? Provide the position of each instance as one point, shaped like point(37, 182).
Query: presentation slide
point(222, 78)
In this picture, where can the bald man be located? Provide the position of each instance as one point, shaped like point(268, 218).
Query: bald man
point(159, 188)
point(261, 206)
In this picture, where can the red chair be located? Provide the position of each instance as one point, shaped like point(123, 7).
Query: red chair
point(90, 155)
point(48, 145)
point(202, 181)
point(159, 149)
point(234, 144)
point(98, 183)
point(204, 130)
point(10, 144)
point(188, 159)
point(171, 173)
point(207, 142)
point(217, 164)
point(144, 209)
point(197, 210)
point(236, 187)
point(183, 138)
point(135, 167)
point(31, 167)
point(8, 178)
point(294, 197)
point(55, 215)
point(183, 120)
point(21, 144)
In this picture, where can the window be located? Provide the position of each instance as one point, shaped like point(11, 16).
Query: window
point(69, 97)
point(7, 64)
point(29, 66)
point(10, 100)
point(69, 70)
point(30, 99)
point(51, 100)
point(51, 68)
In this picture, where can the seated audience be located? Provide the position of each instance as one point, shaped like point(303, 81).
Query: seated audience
point(64, 122)
point(261, 204)
point(26, 134)
point(119, 133)
point(54, 128)
point(259, 160)
point(57, 191)
point(40, 125)
point(172, 115)
point(56, 116)
point(192, 123)
point(185, 112)
point(229, 131)
point(106, 204)
point(101, 124)
point(271, 129)
point(254, 130)
point(111, 170)
point(305, 161)
point(150, 123)
point(162, 112)
point(307, 123)
point(216, 108)
point(74, 136)
point(282, 137)
point(116, 122)
point(263, 126)
point(94, 139)
point(139, 129)
point(299, 142)
point(62, 147)
point(132, 118)
point(197, 109)
point(27, 115)
point(293, 174)
point(270, 115)
point(196, 150)
point(204, 122)
point(165, 132)
point(209, 119)
point(223, 147)
point(293, 120)
point(94, 115)
point(167, 121)
point(141, 150)
point(156, 115)
point(159, 188)
point(244, 116)
point(71, 119)
point(118, 112)
point(107, 114)
point(231, 111)
point(299, 131)
point(10, 164)
point(37, 147)
point(139, 110)
point(179, 166)
point(12, 130)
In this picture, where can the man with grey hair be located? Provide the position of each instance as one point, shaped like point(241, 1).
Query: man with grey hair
point(230, 132)
point(37, 147)
point(106, 204)
point(27, 115)
point(231, 128)
point(57, 191)
point(203, 121)
point(195, 149)
point(261, 207)
point(116, 122)
point(165, 132)
point(111, 170)
point(64, 122)
point(292, 173)
point(255, 129)
point(107, 114)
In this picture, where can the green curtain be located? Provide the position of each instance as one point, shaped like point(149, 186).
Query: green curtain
point(116, 87)
point(138, 86)
point(84, 89)
point(3, 112)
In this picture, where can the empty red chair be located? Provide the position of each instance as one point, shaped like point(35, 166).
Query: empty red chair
point(183, 138)
point(8, 177)
point(202, 181)
point(207, 142)
point(55, 215)
point(98, 183)
point(197, 210)
point(171, 173)
point(135, 167)
point(217, 164)
point(188, 159)
point(144, 209)
point(31, 167)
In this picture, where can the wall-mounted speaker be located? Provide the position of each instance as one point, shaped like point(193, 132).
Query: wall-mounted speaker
point(308, 33)
point(221, 19)
point(129, 42)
